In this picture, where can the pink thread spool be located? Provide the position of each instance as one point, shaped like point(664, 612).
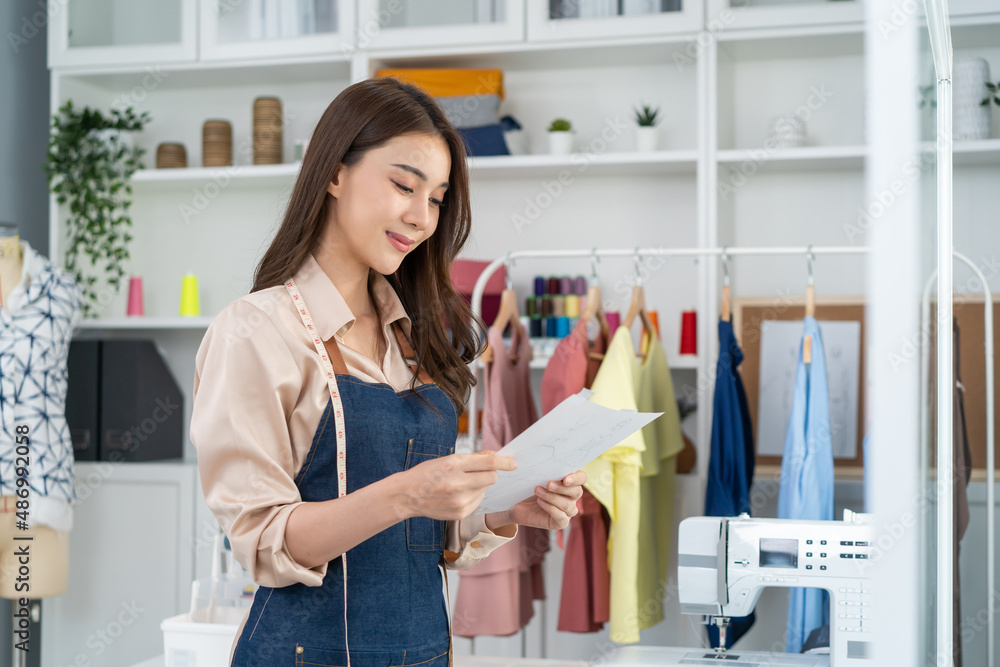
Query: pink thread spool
point(135, 296)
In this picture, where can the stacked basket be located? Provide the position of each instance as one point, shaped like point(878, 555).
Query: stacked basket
point(216, 144)
point(267, 130)
point(170, 155)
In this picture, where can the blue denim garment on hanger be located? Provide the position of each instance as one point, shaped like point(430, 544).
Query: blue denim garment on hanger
point(807, 477)
point(731, 461)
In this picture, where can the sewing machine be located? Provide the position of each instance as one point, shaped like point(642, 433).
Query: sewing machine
point(724, 563)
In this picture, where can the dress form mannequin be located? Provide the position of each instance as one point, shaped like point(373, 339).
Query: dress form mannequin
point(47, 548)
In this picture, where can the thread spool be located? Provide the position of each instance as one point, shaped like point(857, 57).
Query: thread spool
point(572, 305)
point(558, 305)
point(535, 327)
point(190, 306)
point(539, 285)
point(562, 327)
point(689, 329)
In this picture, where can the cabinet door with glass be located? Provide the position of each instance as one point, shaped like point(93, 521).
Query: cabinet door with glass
point(248, 29)
point(93, 33)
point(551, 20)
point(735, 14)
point(391, 24)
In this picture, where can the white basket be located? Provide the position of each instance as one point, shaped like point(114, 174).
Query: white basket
point(188, 643)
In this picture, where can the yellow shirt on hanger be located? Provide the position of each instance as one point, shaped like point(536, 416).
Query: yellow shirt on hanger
point(664, 441)
point(634, 480)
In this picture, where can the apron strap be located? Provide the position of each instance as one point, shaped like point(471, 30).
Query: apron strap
point(336, 358)
point(407, 350)
point(340, 366)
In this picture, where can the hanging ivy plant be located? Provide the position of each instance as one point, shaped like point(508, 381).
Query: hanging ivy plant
point(90, 168)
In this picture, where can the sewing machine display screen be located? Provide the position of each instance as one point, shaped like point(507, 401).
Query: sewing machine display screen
point(779, 553)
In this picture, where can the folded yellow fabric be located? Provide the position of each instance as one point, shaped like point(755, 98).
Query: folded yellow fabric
point(451, 82)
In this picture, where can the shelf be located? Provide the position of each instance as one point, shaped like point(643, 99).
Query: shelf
point(820, 41)
point(254, 72)
point(257, 175)
point(593, 164)
point(498, 166)
point(971, 153)
point(145, 323)
point(538, 56)
point(789, 16)
point(815, 158)
point(804, 158)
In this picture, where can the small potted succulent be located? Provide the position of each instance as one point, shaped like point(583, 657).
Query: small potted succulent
point(646, 132)
point(560, 137)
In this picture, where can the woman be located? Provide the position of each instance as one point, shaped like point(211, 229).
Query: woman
point(326, 458)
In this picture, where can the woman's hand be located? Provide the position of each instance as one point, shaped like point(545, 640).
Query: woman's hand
point(450, 487)
point(550, 508)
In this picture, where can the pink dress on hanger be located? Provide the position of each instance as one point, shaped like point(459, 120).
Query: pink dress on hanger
point(586, 581)
point(495, 596)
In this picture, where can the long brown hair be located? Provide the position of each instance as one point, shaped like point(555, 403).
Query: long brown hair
point(364, 116)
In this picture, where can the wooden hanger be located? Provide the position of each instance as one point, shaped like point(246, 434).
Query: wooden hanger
point(507, 314)
point(595, 308)
point(726, 313)
point(810, 309)
point(638, 305)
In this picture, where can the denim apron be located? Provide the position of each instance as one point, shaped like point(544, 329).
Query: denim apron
point(396, 610)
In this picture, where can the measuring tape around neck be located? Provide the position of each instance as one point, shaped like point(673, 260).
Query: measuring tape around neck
point(338, 414)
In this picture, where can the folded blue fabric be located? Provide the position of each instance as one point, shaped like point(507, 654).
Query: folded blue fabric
point(485, 140)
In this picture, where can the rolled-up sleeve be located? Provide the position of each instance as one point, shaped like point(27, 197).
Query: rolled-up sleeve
point(245, 388)
point(469, 541)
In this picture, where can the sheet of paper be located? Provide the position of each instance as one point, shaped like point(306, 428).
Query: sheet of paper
point(570, 436)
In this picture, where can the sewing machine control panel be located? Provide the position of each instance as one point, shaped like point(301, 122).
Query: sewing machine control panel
point(836, 556)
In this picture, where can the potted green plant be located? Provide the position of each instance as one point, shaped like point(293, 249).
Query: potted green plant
point(993, 95)
point(560, 137)
point(91, 159)
point(646, 133)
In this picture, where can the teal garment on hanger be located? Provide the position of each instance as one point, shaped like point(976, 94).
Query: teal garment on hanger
point(806, 491)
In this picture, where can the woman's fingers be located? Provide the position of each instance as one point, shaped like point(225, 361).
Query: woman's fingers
point(564, 503)
point(572, 491)
point(557, 513)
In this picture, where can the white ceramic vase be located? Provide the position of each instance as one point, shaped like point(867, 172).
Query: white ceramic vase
point(646, 138)
point(786, 131)
point(971, 119)
point(560, 143)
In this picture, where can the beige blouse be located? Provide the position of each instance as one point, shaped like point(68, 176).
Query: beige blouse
point(259, 393)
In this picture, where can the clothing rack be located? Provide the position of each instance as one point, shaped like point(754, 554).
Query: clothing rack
point(925, 310)
point(725, 252)
point(722, 252)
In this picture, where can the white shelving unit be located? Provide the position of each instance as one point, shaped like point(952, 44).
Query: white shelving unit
point(144, 323)
point(719, 71)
